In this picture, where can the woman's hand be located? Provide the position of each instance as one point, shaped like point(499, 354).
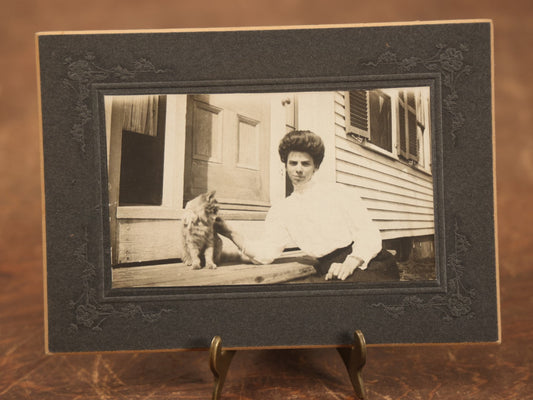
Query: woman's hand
point(344, 270)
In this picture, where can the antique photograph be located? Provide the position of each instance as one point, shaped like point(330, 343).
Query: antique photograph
point(271, 188)
point(298, 186)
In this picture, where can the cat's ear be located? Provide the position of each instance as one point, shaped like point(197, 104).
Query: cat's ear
point(211, 195)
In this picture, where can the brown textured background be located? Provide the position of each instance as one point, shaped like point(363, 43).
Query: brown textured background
point(422, 372)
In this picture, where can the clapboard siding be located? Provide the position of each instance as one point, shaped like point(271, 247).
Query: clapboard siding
point(368, 171)
point(387, 200)
point(405, 232)
point(399, 197)
point(395, 207)
point(340, 120)
point(373, 184)
point(349, 151)
point(385, 215)
point(338, 107)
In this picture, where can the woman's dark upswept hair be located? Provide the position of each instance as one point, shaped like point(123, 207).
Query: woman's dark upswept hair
point(302, 141)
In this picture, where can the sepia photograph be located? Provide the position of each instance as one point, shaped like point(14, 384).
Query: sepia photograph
point(275, 194)
point(271, 188)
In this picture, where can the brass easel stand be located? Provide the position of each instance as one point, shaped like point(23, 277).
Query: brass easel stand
point(219, 361)
point(354, 358)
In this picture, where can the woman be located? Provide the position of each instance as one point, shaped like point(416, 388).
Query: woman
point(324, 220)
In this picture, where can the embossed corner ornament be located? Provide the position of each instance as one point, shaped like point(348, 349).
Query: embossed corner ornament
point(450, 63)
point(81, 73)
point(456, 302)
point(87, 312)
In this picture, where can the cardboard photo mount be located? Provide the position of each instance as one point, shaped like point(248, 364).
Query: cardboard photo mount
point(78, 70)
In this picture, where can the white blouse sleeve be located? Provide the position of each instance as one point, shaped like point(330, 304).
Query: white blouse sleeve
point(364, 231)
point(274, 239)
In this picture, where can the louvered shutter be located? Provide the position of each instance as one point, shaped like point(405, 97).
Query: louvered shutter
point(357, 113)
point(403, 152)
point(408, 143)
point(412, 137)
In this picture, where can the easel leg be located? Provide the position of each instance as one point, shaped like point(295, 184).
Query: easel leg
point(219, 361)
point(355, 359)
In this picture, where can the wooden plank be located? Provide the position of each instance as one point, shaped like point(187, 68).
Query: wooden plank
point(144, 240)
point(179, 274)
point(243, 207)
point(339, 110)
point(387, 206)
point(404, 225)
point(395, 234)
point(243, 202)
point(339, 97)
point(339, 129)
point(340, 120)
point(243, 215)
point(384, 215)
point(149, 212)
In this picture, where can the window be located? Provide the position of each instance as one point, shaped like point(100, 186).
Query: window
point(394, 122)
point(370, 117)
point(143, 149)
point(380, 119)
point(408, 126)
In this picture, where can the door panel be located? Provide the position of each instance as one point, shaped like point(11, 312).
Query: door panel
point(248, 137)
point(208, 128)
point(227, 148)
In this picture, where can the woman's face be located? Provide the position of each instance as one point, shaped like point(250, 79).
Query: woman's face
point(300, 167)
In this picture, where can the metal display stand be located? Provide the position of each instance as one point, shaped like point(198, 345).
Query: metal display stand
point(219, 361)
point(354, 358)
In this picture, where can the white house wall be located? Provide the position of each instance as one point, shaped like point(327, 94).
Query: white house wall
point(399, 197)
point(316, 113)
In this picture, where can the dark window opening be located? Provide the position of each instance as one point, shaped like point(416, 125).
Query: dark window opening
point(380, 120)
point(142, 160)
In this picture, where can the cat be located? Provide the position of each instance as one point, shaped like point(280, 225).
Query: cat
point(201, 244)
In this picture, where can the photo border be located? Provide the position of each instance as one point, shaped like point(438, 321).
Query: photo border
point(432, 81)
point(85, 314)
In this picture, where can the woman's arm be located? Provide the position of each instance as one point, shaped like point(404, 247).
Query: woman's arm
point(223, 229)
point(263, 251)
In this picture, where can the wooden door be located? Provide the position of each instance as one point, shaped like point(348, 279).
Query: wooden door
point(227, 149)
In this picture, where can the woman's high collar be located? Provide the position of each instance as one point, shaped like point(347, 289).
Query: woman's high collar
point(305, 187)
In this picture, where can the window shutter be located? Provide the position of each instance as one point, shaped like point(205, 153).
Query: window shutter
point(356, 113)
point(413, 140)
point(403, 152)
point(408, 146)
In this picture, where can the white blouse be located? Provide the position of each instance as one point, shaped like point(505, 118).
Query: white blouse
point(318, 218)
